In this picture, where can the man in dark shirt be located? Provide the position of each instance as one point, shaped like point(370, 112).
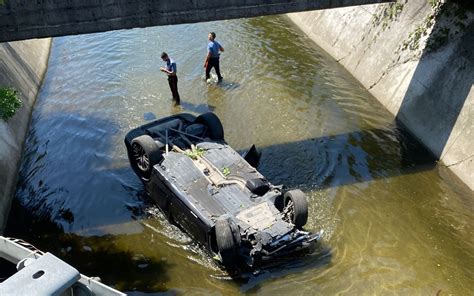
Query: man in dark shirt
point(170, 70)
point(212, 58)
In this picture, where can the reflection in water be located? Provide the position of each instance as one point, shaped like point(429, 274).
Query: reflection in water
point(394, 221)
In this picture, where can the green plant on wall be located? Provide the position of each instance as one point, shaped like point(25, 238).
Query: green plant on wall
point(449, 18)
point(416, 36)
point(434, 3)
point(387, 14)
point(9, 102)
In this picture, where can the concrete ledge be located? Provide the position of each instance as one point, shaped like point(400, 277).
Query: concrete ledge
point(22, 66)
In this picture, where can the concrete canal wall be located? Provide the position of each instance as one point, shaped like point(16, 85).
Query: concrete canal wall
point(417, 58)
point(22, 66)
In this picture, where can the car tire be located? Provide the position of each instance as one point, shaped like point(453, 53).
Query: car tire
point(214, 125)
point(226, 243)
point(296, 206)
point(145, 154)
point(235, 232)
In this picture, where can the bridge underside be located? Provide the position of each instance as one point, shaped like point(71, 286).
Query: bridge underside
point(20, 19)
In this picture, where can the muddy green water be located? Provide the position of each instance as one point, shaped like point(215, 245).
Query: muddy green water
point(395, 221)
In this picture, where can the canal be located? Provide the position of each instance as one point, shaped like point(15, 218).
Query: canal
point(394, 220)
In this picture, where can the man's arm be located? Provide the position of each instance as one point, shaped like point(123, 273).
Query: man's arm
point(165, 70)
point(207, 59)
point(172, 72)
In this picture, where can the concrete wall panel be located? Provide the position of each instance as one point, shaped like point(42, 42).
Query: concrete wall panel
point(22, 66)
point(428, 88)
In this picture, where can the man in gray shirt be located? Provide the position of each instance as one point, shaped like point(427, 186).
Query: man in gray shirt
point(212, 59)
point(170, 70)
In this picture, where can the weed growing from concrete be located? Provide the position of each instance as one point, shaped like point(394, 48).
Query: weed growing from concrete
point(9, 102)
point(384, 16)
point(389, 13)
point(450, 20)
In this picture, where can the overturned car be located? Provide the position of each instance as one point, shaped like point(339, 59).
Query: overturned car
point(216, 195)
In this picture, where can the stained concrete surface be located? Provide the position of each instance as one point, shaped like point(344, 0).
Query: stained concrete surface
point(429, 90)
point(22, 66)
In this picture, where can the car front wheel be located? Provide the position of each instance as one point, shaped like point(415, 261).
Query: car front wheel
point(213, 124)
point(227, 242)
point(145, 154)
point(295, 208)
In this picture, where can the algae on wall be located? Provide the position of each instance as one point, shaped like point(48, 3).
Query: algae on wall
point(22, 66)
point(416, 57)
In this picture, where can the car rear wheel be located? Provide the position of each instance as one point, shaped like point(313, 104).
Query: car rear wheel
point(296, 208)
point(145, 154)
point(213, 124)
point(227, 242)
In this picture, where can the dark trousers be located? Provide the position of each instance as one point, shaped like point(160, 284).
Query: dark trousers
point(213, 62)
point(173, 82)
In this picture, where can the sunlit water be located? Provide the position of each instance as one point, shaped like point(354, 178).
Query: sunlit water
point(395, 222)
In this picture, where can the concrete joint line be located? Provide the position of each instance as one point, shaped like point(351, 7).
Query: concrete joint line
point(446, 151)
point(460, 161)
point(390, 68)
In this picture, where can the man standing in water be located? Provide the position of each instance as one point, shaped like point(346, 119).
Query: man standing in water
point(212, 58)
point(170, 70)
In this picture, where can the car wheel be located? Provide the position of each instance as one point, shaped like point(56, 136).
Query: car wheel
point(214, 125)
point(296, 208)
point(235, 232)
point(226, 243)
point(145, 154)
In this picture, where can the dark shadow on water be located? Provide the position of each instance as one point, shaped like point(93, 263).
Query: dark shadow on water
point(429, 103)
point(195, 108)
point(226, 85)
point(70, 189)
point(338, 160)
point(92, 256)
point(68, 170)
point(149, 116)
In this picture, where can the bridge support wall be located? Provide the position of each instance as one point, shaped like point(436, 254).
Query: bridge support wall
point(20, 19)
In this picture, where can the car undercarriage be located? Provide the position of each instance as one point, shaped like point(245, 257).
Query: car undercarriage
point(215, 194)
